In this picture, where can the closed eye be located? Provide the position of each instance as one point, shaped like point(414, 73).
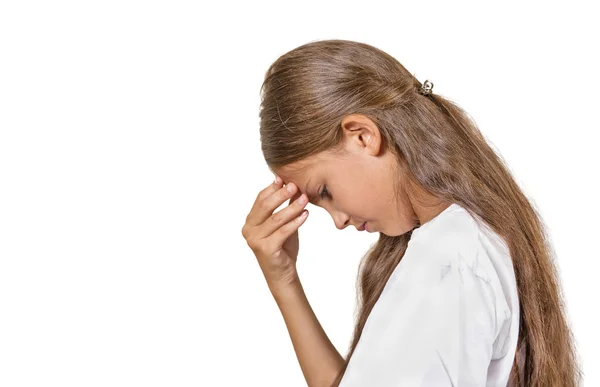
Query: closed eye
point(324, 193)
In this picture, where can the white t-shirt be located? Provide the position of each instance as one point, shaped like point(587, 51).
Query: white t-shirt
point(448, 315)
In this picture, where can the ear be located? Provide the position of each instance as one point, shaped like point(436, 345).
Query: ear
point(361, 132)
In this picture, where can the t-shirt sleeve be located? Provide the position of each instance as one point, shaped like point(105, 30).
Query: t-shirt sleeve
point(438, 334)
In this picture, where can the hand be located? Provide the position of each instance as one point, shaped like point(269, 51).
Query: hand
point(274, 237)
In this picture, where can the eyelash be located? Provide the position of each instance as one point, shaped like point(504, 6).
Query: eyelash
point(324, 192)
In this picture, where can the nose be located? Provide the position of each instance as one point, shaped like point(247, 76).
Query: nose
point(341, 221)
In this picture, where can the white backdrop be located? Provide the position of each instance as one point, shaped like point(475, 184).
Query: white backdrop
point(130, 156)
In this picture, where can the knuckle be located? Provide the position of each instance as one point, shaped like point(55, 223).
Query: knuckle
point(246, 233)
point(286, 229)
point(262, 206)
point(262, 194)
point(276, 218)
point(286, 194)
point(254, 245)
point(266, 190)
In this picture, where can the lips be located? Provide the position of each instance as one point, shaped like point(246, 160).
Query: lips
point(362, 227)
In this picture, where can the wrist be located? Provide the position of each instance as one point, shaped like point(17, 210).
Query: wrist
point(282, 279)
point(285, 288)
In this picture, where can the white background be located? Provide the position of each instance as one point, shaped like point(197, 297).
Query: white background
point(130, 156)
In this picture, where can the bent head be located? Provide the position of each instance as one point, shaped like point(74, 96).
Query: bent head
point(358, 181)
point(345, 122)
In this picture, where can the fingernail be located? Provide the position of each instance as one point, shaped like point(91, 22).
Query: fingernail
point(276, 180)
point(290, 187)
point(303, 199)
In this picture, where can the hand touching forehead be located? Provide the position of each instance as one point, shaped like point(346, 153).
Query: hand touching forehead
point(300, 175)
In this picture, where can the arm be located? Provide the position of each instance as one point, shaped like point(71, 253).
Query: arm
point(319, 360)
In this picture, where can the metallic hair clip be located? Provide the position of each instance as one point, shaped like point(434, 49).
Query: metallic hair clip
point(426, 88)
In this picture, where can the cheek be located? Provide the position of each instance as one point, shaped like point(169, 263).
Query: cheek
point(377, 205)
point(364, 204)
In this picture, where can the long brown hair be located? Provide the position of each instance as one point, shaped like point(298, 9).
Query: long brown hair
point(306, 93)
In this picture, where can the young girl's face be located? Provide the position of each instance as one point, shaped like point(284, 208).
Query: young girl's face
point(358, 187)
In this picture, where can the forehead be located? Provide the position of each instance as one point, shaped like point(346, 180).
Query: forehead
point(293, 173)
point(300, 170)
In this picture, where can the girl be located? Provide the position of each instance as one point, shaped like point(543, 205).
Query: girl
point(460, 289)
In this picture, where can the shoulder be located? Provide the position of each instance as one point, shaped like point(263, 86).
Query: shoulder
point(451, 238)
point(460, 240)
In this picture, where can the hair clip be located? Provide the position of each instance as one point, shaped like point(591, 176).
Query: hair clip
point(426, 88)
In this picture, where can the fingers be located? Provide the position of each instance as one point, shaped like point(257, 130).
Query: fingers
point(287, 215)
point(277, 238)
point(268, 200)
point(268, 190)
point(263, 228)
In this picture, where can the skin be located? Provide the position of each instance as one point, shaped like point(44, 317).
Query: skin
point(360, 187)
